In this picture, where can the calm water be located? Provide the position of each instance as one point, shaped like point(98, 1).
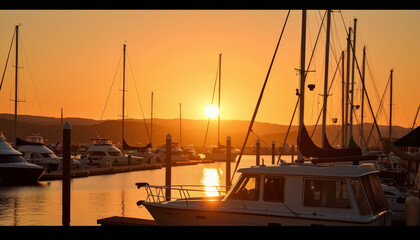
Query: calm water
point(103, 196)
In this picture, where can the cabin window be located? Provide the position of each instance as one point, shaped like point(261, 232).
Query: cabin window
point(360, 197)
point(326, 193)
point(375, 193)
point(246, 189)
point(273, 189)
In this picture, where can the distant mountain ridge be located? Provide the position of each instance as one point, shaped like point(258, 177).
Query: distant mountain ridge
point(193, 131)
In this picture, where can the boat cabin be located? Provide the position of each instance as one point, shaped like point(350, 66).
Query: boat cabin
point(101, 141)
point(35, 138)
point(341, 192)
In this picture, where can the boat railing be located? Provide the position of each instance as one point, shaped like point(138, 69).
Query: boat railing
point(164, 193)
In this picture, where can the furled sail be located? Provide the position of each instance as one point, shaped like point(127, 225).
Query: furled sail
point(309, 149)
point(128, 147)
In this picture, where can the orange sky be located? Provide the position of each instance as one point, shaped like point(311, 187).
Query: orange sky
point(71, 56)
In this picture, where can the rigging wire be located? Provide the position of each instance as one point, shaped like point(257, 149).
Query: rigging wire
point(260, 97)
point(212, 99)
point(138, 97)
point(30, 73)
point(7, 59)
point(109, 93)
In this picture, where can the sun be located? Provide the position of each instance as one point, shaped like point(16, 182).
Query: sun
point(211, 111)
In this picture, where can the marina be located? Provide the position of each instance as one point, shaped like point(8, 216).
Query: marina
point(178, 171)
point(92, 199)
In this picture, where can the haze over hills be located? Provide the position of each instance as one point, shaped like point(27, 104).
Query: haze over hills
point(193, 131)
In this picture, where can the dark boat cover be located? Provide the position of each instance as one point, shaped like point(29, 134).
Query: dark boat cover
point(412, 139)
point(309, 149)
point(128, 147)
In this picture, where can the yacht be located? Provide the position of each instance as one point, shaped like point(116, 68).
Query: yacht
point(218, 154)
point(176, 153)
point(34, 151)
point(102, 153)
point(14, 170)
point(286, 194)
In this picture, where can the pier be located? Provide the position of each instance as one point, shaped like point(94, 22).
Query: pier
point(86, 172)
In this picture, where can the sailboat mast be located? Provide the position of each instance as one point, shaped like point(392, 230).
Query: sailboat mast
point(343, 97)
point(218, 116)
point(123, 102)
point(16, 79)
point(180, 126)
point(363, 97)
point(346, 135)
point(327, 54)
point(390, 107)
point(151, 125)
point(302, 79)
point(352, 79)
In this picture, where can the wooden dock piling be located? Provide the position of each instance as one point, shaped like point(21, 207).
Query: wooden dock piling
point(66, 174)
point(228, 162)
point(273, 152)
point(168, 166)
point(257, 146)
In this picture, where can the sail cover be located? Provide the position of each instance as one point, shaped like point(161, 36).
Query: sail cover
point(309, 149)
point(412, 139)
point(128, 147)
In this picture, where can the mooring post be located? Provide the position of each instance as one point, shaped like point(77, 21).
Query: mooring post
point(257, 146)
point(168, 161)
point(66, 174)
point(228, 162)
point(273, 151)
point(293, 152)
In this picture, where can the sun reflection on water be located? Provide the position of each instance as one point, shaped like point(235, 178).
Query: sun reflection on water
point(211, 178)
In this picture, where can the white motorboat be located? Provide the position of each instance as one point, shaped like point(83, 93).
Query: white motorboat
point(14, 170)
point(34, 151)
point(285, 194)
point(176, 153)
point(102, 153)
point(218, 154)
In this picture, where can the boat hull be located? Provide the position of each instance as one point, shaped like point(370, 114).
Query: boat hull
point(166, 215)
point(20, 174)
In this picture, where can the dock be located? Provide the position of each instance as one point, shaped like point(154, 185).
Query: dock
point(86, 172)
point(125, 221)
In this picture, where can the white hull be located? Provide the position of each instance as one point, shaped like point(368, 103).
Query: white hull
point(167, 215)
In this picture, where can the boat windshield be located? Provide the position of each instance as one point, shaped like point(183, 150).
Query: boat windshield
point(375, 193)
point(246, 189)
point(101, 141)
point(35, 139)
point(11, 159)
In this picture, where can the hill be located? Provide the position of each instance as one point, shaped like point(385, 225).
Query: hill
point(193, 131)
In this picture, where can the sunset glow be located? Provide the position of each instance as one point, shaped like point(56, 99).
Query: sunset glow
point(70, 60)
point(211, 111)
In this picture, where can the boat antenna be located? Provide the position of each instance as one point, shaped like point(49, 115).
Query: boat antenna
point(260, 97)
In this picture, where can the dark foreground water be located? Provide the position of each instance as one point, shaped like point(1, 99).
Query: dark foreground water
point(97, 197)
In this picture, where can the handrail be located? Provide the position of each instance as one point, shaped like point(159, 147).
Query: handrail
point(156, 193)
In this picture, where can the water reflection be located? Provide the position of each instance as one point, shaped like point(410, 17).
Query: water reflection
point(211, 177)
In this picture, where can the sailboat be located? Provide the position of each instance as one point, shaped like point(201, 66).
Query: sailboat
point(294, 194)
point(14, 169)
point(102, 153)
point(218, 153)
